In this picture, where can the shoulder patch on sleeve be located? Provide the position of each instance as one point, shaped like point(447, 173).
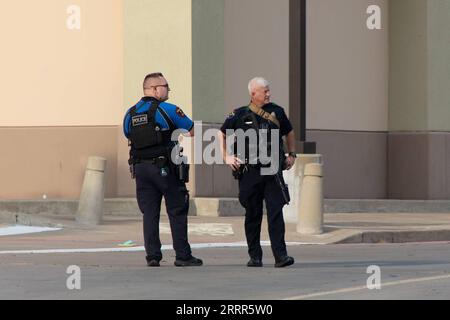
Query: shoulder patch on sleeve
point(180, 112)
point(235, 112)
point(231, 115)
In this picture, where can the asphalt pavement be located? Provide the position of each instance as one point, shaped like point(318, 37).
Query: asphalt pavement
point(35, 266)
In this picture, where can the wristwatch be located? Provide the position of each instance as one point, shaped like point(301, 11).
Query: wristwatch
point(292, 154)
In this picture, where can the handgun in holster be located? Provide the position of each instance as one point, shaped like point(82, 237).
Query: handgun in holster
point(243, 168)
point(237, 174)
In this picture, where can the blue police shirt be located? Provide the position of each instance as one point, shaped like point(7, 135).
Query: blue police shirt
point(174, 113)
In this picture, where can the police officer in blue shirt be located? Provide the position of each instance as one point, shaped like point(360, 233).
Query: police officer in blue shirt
point(254, 186)
point(149, 126)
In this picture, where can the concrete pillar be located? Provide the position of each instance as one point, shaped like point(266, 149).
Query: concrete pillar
point(293, 179)
point(310, 215)
point(90, 207)
point(419, 135)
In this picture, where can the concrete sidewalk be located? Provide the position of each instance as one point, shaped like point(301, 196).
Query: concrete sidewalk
point(339, 229)
point(224, 207)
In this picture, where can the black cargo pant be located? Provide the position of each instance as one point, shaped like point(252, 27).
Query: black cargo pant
point(151, 186)
point(253, 189)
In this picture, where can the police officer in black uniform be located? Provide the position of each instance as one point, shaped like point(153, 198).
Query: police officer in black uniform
point(149, 126)
point(254, 187)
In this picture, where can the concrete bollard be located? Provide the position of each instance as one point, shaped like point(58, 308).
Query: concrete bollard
point(90, 207)
point(310, 215)
point(294, 179)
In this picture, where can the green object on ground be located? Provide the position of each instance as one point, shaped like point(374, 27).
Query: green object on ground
point(129, 243)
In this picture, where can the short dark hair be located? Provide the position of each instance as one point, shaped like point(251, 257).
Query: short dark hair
point(152, 76)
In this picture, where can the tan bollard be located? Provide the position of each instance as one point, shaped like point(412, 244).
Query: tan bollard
point(90, 207)
point(310, 219)
point(294, 179)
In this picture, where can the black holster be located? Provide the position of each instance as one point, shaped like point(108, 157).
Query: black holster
point(243, 168)
point(182, 171)
point(132, 164)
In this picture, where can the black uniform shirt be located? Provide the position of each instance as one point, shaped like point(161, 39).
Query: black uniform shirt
point(243, 118)
point(233, 120)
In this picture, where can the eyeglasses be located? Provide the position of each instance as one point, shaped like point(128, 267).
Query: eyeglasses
point(161, 85)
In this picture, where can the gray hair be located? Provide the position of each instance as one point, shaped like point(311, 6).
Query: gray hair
point(256, 82)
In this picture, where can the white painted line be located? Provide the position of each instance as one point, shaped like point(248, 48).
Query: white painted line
point(140, 249)
point(94, 250)
point(18, 230)
point(354, 289)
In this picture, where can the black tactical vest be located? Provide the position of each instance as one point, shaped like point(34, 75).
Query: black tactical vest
point(147, 139)
point(250, 121)
point(249, 152)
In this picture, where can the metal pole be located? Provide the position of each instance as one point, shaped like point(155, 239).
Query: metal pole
point(303, 25)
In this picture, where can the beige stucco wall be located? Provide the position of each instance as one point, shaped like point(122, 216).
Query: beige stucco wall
point(51, 76)
point(256, 44)
point(348, 66)
point(158, 37)
point(76, 89)
point(61, 96)
point(52, 160)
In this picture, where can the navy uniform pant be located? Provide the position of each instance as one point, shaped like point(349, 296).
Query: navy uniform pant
point(151, 186)
point(253, 189)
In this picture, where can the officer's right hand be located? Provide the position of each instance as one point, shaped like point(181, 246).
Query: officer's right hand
point(233, 162)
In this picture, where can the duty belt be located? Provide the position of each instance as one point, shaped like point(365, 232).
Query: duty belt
point(159, 160)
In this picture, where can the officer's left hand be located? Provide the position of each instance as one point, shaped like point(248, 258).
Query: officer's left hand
point(290, 161)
